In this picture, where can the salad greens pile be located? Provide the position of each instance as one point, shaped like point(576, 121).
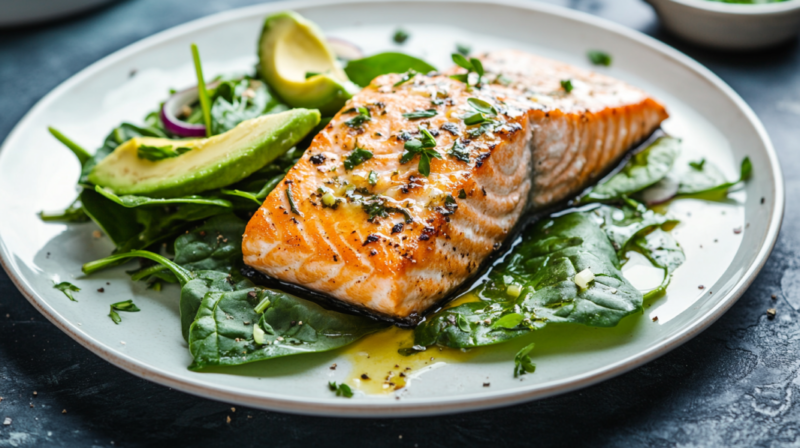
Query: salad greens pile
point(563, 269)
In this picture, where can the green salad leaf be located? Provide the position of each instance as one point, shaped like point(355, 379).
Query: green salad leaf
point(622, 224)
point(363, 71)
point(644, 169)
point(236, 100)
point(535, 285)
point(664, 252)
point(705, 178)
point(216, 245)
point(229, 331)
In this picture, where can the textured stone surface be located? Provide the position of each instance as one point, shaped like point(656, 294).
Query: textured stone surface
point(737, 384)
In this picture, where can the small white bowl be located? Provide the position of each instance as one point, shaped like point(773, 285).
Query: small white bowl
point(730, 26)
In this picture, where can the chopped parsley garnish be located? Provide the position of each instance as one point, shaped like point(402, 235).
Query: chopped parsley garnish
point(463, 49)
point(598, 57)
point(67, 288)
point(342, 390)
point(126, 306)
point(420, 114)
point(473, 65)
point(522, 362)
point(357, 157)
point(406, 77)
point(400, 36)
point(459, 151)
point(462, 194)
point(424, 147)
point(156, 153)
point(375, 206)
point(698, 165)
point(566, 84)
point(292, 205)
point(372, 178)
point(362, 117)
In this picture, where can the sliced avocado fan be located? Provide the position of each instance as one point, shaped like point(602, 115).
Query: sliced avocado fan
point(298, 64)
point(165, 168)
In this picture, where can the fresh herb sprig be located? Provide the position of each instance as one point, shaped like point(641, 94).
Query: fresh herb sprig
point(473, 65)
point(566, 84)
point(357, 157)
point(67, 288)
point(126, 306)
point(522, 362)
point(484, 112)
point(424, 147)
point(342, 389)
point(420, 113)
point(362, 117)
point(156, 153)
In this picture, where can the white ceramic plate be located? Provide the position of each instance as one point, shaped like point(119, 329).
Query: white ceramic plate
point(713, 121)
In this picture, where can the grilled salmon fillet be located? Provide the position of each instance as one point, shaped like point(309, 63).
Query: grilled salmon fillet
point(377, 233)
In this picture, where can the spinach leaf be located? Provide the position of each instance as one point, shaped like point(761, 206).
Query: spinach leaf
point(705, 178)
point(228, 331)
point(535, 285)
point(643, 170)
point(137, 222)
point(622, 224)
point(193, 292)
point(82, 155)
point(131, 201)
point(664, 252)
point(216, 245)
point(363, 71)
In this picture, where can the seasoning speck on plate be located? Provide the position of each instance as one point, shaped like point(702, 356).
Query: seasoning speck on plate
point(771, 313)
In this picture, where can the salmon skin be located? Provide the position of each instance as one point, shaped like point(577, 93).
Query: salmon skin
point(357, 218)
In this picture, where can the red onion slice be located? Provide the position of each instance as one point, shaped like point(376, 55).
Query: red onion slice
point(660, 192)
point(172, 107)
point(344, 49)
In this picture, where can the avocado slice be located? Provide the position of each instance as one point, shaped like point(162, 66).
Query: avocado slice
point(202, 164)
point(298, 64)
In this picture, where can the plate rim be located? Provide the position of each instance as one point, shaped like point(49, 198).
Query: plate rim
point(385, 408)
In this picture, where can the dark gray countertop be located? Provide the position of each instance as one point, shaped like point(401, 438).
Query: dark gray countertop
point(734, 385)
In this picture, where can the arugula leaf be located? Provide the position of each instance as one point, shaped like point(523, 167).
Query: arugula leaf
point(642, 170)
point(363, 71)
point(598, 57)
point(226, 324)
point(420, 114)
point(342, 390)
point(522, 362)
point(545, 263)
point(126, 306)
point(357, 157)
point(67, 288)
